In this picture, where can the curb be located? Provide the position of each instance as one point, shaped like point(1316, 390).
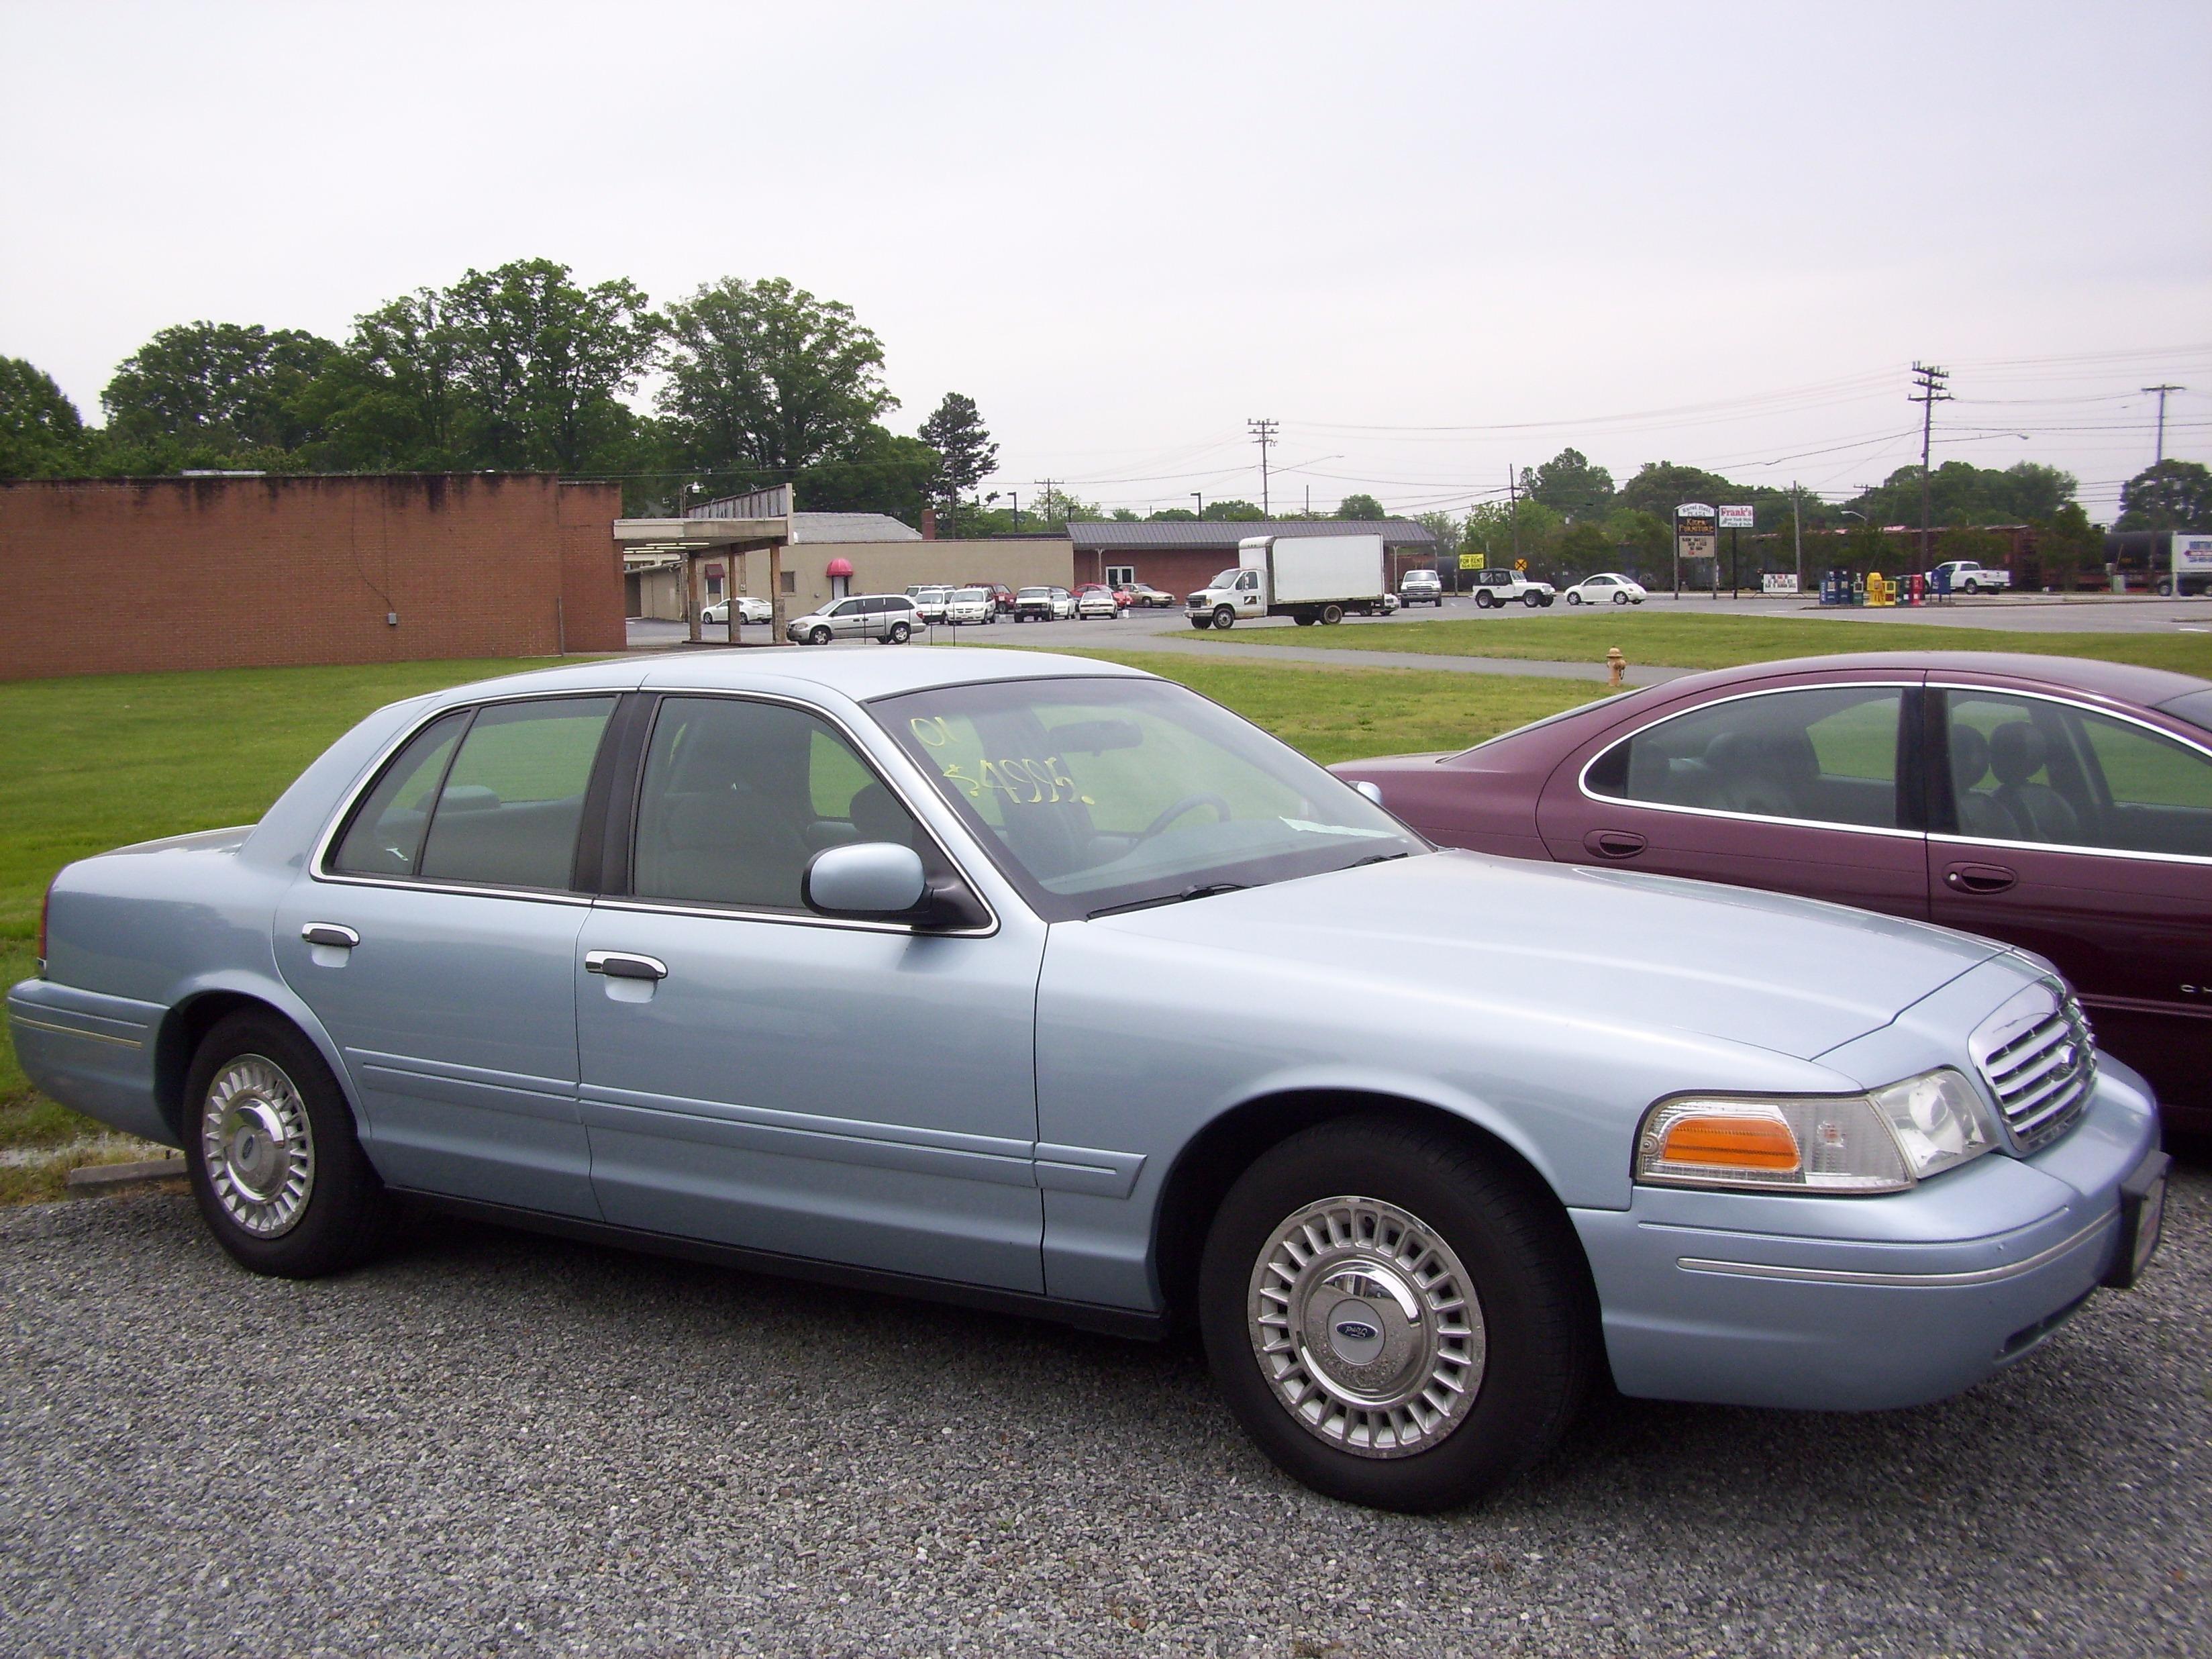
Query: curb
point(94, 1179)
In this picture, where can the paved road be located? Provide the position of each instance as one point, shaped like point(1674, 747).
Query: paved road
point(499, 1444)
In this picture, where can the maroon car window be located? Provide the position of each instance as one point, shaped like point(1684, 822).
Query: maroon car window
point(2023, 769)
point(1825, 755)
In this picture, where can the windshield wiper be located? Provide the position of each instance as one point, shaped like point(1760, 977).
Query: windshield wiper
point(1376, 857)
point(1205, 890)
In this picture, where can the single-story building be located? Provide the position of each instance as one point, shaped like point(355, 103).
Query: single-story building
point(1178, 557)
point(829, 555)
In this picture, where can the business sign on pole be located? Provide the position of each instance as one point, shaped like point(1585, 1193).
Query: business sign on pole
point(1736, 517)
point(1695, 527)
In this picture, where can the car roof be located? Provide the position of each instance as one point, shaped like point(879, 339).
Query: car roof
point(858, 674)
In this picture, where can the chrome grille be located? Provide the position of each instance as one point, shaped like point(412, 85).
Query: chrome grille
point(2036, 1056)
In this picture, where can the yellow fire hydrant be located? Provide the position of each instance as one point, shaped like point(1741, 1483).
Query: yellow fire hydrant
point(1614, 662)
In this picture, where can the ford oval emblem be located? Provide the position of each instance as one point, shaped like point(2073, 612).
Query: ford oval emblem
point(1353, 1331)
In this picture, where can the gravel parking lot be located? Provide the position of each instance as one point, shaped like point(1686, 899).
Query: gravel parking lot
point(495, 1444)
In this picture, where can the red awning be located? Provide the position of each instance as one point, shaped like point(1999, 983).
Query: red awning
point(841, 567)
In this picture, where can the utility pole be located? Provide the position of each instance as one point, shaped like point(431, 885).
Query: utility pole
point(1931, 381)
point(1798, 535)
point(1263, 433)
point(1513, 510)
point(1201, 500)
point(2161, 391)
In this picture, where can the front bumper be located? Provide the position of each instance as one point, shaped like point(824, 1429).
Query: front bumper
point(1856, 1304)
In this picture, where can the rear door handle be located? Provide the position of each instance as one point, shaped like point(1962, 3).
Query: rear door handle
point(1614, 843)
point(1979, 878)
point(330, 932)
point(620, 964)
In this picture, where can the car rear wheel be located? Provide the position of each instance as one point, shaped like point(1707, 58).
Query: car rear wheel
point(901, 633)
point(1331, 614)
point(270, 1149)
point(1484, 599)
point(1396, 1317)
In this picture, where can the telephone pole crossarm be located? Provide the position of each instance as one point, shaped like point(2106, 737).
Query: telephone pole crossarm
point(1929, 382)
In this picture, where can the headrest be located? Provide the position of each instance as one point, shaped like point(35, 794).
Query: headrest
point(2016, 752)
point(1970, 756)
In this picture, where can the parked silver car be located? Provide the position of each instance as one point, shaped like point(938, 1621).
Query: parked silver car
point(887, 618)
point(1421, 1142)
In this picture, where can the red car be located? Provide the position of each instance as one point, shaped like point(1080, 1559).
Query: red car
point(2058, 805)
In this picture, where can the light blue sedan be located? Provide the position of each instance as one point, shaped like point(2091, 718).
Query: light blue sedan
point(1422, 1143)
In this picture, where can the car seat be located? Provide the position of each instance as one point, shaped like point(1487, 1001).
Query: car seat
point(2017, 753)
point(1980, 813)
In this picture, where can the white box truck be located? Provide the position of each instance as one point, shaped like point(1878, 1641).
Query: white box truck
point(2191, 569)
point(1314, 578)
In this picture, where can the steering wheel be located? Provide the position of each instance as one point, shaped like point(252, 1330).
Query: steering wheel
point(1222, 810)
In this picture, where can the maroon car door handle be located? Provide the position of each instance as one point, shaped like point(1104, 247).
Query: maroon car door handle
point(1613, 843)
point(1979, 878)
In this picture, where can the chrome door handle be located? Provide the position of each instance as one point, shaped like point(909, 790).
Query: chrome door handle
point(330, 932)
point(620, 964)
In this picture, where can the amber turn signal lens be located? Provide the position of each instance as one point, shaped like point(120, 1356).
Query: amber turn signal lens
point(1730, 1143)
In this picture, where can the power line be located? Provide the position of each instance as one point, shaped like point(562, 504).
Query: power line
point(1931, 381)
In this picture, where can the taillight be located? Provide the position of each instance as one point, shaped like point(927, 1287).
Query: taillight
point(45, 905)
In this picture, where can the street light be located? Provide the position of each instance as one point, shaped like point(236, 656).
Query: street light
point(1201, 500)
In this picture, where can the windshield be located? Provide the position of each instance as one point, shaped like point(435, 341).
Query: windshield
point(1035, 593)
point(1227, 578)
point(971, 594)
point(1094, 794)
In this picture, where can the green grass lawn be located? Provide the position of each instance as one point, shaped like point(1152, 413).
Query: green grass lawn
point(93, 764)
point(1667, 638)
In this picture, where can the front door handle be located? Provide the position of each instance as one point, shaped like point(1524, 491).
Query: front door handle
point(330, 932)
point(620, 964)
point(1979, 878)
point(1614, 843)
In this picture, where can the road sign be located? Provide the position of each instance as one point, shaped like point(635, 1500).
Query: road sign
point(1736, 518)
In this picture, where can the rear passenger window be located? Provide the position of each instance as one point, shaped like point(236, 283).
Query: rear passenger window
point(513, 799)
point(1824, 756)
point(386, 836)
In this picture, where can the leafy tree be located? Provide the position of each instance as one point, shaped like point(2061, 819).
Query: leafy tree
point(1232, 511)
point(1126, 515)
point(1659, 487)
point(41, 431)
point(1961, 493)
point(545, 363)
point(1583, 550)
point(876, 472)
point(956, 431)
point(763, 373)
point(1172, 515)
point(1644, 541)
point(2070, 550)
point(1354, 506)
point(231, 386)
point(397, 396)
point(2172, 495)
point(1571, 486)
point(1496, 529)
point(1447, 530)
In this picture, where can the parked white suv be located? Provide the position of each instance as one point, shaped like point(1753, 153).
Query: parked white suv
point(1421, 587)
point(887, 618)
point(1497, 587)
point(972, 605)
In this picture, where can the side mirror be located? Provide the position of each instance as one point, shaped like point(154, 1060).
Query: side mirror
point(882, 881)
point(1372, 791)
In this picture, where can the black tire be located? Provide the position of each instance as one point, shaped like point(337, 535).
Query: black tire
point(901, 633)
point(1305, 619)
point(1485, 599)
point(1201, 623)
point(1331, 614)
point(1620, 598)
point(344, 1215)
point(1526, 1273)
point(818, 636)
point(1224, 617)
point(1532, 600)
point(1574, 599)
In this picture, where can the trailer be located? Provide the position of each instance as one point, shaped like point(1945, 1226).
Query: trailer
point(1310, 579)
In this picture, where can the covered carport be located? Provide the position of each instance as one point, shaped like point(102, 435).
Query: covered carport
point(754, 523)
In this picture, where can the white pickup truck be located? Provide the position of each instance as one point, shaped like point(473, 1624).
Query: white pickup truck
point(1314, 578)
point(1968, 577)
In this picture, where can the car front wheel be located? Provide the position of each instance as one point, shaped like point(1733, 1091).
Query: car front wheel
point(270, 1149)
point(1397, 1317)
point(818, 636)
point(1224, 617)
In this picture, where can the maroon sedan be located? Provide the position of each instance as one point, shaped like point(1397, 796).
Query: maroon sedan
point(2059, 805)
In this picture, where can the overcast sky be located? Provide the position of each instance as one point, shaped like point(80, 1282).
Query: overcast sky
point(1429, 241)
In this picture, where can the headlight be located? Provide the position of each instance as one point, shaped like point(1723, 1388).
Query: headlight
point(1880, 1142)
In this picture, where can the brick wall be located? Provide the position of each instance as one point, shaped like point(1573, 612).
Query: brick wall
point(113, 576)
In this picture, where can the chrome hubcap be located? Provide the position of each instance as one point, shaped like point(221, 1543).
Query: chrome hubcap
point(1367, 1327)
point(257, 1145)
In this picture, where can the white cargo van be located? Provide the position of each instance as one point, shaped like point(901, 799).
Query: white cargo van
point(1314, 578)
